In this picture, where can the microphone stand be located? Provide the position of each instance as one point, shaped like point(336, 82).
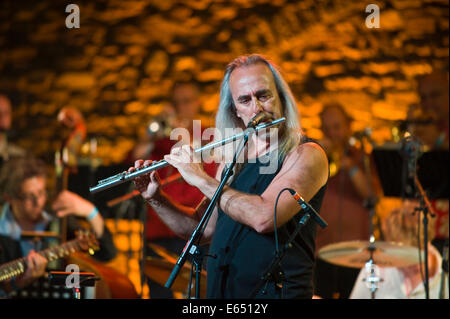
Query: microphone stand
point(370, 203)
point(426, 208)
point(411, 150)
point(274, 271)
point(372, 280)
point(198, 231)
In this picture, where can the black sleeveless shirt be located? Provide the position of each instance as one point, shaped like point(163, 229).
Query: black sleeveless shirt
point(243, 255)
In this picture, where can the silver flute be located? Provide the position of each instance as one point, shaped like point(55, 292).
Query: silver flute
point(125, 176)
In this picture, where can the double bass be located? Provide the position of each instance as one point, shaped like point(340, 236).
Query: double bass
point(112, 284)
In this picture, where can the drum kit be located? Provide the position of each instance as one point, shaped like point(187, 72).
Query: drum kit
point(370, 255)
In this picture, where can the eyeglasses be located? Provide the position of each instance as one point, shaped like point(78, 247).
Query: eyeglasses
point(32, 197)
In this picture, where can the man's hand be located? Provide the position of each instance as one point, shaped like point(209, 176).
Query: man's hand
point(188, 164)
point(36, 264)
point(147, 184)
point(68, 203)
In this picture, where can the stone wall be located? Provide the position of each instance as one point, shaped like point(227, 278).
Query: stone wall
point(118, 66)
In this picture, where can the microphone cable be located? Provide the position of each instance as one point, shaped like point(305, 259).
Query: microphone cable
point(277, 250)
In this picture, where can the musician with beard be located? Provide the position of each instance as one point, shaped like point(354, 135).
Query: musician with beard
point(241, 227)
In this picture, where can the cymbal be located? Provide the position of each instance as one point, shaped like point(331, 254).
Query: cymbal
point(159, 271)
point(355, 254)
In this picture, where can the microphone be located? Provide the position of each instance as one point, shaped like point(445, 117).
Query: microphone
point(258, 118)
point(411, 148)
point(308, 209)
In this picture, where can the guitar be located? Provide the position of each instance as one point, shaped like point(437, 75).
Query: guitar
point(85, 241)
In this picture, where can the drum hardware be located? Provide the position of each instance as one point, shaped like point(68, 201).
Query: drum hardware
point(373, 277)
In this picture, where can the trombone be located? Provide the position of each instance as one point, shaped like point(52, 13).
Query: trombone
point(125, 176)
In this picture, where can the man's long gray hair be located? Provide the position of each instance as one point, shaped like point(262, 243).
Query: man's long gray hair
point(226, 118)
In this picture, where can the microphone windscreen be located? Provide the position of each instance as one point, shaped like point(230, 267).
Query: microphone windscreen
point(258, 118)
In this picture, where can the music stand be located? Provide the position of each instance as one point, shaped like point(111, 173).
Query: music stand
point(61, 278)
point(392, 169)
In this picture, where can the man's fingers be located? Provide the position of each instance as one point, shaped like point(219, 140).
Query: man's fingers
point(63, 212)
point(147, 163)
point(138, 163)
point(154, 177)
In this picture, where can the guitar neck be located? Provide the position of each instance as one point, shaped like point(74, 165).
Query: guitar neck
point(18, 266)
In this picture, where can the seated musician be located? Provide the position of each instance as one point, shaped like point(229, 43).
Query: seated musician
point(427, 123)
point(23, 186)
point(402, 226)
